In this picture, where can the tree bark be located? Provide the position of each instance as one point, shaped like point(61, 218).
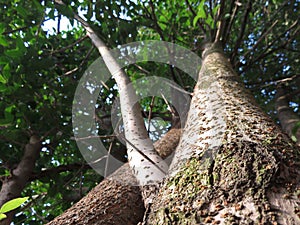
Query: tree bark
point(287, 117)
point(113, 202)
point(249, 174)
point(13, 185)
point(110, 202)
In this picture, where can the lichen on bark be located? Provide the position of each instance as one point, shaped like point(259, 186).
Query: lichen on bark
point(250, 177)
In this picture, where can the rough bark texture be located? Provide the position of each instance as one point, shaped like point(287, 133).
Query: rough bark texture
point(287, 117)
point(113, 202)
point(252, 177)
point(110, 202)
point(13, 185)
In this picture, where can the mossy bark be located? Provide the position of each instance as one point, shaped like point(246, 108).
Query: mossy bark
point(251, 177)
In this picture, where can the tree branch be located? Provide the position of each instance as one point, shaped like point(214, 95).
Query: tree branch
point(228, 27)
point(283, 45)
point(261, 38)
point(242, 30)
point(135, 131)
point(56, 170)
point(221, 25)
point(13, 185)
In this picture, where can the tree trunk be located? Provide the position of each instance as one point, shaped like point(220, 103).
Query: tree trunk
point(233, 165)
point(112, 202)
point(287, 117)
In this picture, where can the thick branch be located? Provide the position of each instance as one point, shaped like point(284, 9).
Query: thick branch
point(113, 202)
point(56, 170)
point(13, 185)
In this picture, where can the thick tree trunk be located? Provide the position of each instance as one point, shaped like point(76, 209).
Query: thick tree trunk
point(287, 117)
point(113, 202)
point(248, 174)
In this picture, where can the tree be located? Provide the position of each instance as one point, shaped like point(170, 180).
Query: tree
point(289, 120)
point(263, 52)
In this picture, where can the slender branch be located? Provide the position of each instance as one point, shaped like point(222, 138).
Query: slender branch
point(107, 158)
point(160, 32)
point(68, 73)
point(242, 30)
point(266, 24)
point(150, 113)
point(274, 81)
point(221, 20)
point(135, 131)
point(154, 19)
point(56, 170)
point(261, 38)
point(15, 30)
point(266, 52)
point(233, 16)
point(146, 10)
point(69, 46)
point(142, 153)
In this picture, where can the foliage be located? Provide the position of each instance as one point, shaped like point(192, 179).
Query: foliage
point(11, 205)
point(40, 68)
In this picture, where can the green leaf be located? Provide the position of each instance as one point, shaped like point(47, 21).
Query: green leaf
point(3, 60)
point(195, 20)
point(5, 74)
point(227, 15)
point(3, 88)
point(2, 28)
point(12, 204)
point(13, 53)
point(9, 116)
point(210, 21)
point(201, 13)
point(2, 79)
point(201, 10)
point(21, 11)
point(2, 216)
point(3, 42)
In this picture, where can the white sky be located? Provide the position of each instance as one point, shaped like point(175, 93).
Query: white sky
point(51, 25)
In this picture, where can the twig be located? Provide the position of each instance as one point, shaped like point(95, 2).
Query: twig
point(266, 52)
point(261, 38)
point(107, 158)
point(69, 46)
point(141, 152)
point(275, 81)
point(150, 113)
point(93, 136)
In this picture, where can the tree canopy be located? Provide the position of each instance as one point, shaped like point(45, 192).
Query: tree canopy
point(40, 67)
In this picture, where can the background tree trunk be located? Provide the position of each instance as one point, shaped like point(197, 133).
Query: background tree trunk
point(252, 177)
point(13, 185)
point(287, 117)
